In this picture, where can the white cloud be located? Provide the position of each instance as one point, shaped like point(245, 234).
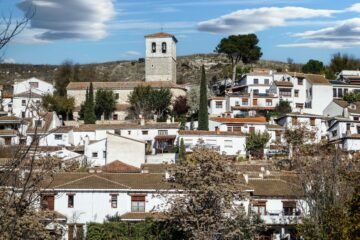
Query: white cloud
point(133, 53)
point(354, 8)
point(69, 19)
point(8, 60)
point(344, 34)
point(259, 19)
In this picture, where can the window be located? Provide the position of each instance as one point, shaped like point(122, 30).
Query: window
point(153, 47)
point(104, 154)
point(260, 207)
point(117, 96)
point(94, 154)
point(219, 104)
point(299, 105)
point(340, 93)
point(115, 117)
point(294, 120)
point(163, 47)
point(296, 93)
point(34, 84)
point(23, 114)
point(346, 91)
point(163, 132)
point(245, 101)
point(38, 123)
point(334, 133)
point(138, 203)
point(256, 91)
point(268, 102)
point(228, 143)
point(267, 81)
point(300, 81)
point(348, 125)
point(129, 132)
point(358, 129)
point(356, 118)
point(334, 92)
point(114, 200)
point(252, 129)
point(312, 121)
point(285, 92)
point(145, 132)
point(58, 136)
point(23, 102)
point(255, 102)
point(308, 105)
point(237, 103)
point(310, 92)
point(256, 81)
point(289, 208)
point(70, 200)
point(234, 128)
point(47, 202)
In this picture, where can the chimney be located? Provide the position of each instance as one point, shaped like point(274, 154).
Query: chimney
point(142, 122)
point(172, 119)
point(217, 130)
point(346, 113)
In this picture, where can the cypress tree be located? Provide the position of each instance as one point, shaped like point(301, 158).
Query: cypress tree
point(89, 113)
point(182, 151)
point(203, 107)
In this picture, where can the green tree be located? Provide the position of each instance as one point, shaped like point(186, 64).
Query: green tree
point(104, 103)
point(182, 151)
point(147, 101)
point(313, 66)
point(62, 105)
point(89, 106)
point(63, 77)
point(205, 208)
point(352, 97)
point(282, 108)
point(238, 48)
point(203, 107)
point(341, 62)
point(256, 142)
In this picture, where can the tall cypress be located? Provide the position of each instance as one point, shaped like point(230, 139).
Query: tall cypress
point(182, 151)
point(89, 113)
point(203, 107)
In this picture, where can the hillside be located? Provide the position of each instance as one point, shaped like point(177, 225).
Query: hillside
point(188, 70)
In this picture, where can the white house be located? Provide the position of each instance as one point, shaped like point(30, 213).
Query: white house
point(345, 133)
point(12, 130)
point(255, 82)
point(342, 108)
point(316, 124)
point(217, 106)
point(244, 125)
point(229, 143)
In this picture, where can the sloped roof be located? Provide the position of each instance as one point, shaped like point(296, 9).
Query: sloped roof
point(62, 129)
point(283, 84)
point(10, 118)
point(121, 85)
point(209, 133)
point(8, 132)
point(27, 94)
point(317, 79)
point(274, 126)
point(345, 104)
point(239, 120)
point(161, 35)
point(155, 168)
point(47, 118)
point(273, 188)
point(120, 167)
point(107, 181)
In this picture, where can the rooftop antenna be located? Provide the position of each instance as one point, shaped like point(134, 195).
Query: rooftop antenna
point(162, 27)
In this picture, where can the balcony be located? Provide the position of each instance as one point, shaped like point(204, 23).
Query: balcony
point(279, 218)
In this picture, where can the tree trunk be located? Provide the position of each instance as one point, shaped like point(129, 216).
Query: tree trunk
point(233, 76)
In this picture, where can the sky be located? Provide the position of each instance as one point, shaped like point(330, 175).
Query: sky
point(93, 31)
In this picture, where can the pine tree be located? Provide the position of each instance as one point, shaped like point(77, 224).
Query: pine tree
point(203, 109)
point(182, 151)
point(89, 112)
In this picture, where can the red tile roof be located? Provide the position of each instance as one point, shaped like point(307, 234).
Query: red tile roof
point(239, 120)
point(210, 133)
point(161, 35)
point(120, 167)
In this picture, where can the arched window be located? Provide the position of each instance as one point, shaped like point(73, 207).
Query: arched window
point(153, 47)
point(163, 47)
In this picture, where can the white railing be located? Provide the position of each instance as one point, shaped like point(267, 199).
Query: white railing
point(161, 158)
point(278, 217)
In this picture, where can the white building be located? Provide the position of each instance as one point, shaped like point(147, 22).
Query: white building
point(217, 106)
point(343, 108)
point(258, 83)
point(345, 133)
point(316, 124)
point(229, 143)
point(243, 125)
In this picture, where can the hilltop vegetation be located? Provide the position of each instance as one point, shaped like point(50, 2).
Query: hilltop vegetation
point(188, 70)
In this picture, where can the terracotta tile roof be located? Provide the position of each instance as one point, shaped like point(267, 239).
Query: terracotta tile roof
point(10, 118)
point(155, 168)
point(140, 216)
point(345, 104)
point(27, 95)
point(209, 133)
point(296, 74)
point(353, 136)
point(273, 188)
point(8, 132)
point(120, 167)
point(107, 181)
point(63, 129)
point(252, 107)
point(317, 79)
point(47, 118)
point(274, 126)
point(121, 85)
point(165, 137)
point(239, 120)
point(161, 35)
point(283, 84)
